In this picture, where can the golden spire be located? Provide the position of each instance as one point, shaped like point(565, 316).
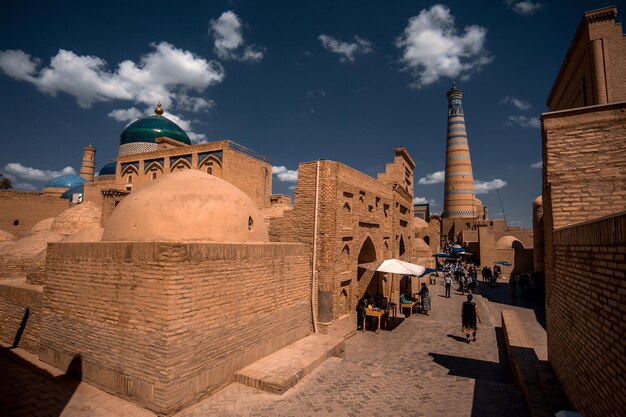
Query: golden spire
point(158, 110)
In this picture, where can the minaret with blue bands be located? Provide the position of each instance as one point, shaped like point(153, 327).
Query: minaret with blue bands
point(459, 179)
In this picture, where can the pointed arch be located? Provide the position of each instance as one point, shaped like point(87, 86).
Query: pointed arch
point(180, 164)
point(401, 246)
point(367, 254)
point(211, 165)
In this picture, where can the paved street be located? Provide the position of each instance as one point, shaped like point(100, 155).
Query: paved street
point(420, 368)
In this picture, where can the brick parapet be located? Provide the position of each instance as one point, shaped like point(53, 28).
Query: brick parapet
point(20, 314)
point(165, 324)
point(585, 314)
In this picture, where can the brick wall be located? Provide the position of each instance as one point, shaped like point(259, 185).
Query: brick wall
point(165, 324)
point(15, 299)
point(28, 209)
point(585, 163)
point(250, 175)
point(353, 207)
point(593, 69)
point(585, 314)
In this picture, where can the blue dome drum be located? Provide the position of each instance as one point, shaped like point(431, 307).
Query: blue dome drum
point(140, 136)
point(108, 168)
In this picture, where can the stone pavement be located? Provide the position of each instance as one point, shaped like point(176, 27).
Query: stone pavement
point(421, 367)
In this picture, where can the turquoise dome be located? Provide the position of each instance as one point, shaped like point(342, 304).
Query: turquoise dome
point(152, 127)
point(108, 168)
point(66, 181)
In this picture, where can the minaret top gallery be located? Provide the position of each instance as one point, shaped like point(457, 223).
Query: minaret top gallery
point(459, 201)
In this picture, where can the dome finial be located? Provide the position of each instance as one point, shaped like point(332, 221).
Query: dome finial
point(158, 110)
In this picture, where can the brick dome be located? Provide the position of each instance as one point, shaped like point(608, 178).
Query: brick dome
point(78, 218)
point(508, 242)
point(188, 205)
point(419, 223)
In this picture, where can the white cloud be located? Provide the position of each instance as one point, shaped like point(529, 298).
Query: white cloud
point(346, 50)
point(284, 174)
point(434, 178)
point(432, 47)
point(126, 115)
point(165, 74)
point(537, 165)
point(229, 42)
point(524, 8)
point(17, 170)
point(520, 104)
point(483, 187)
point(423, 200)
point(524, 121)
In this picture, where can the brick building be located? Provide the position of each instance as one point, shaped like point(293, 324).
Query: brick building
point(583, 218)
point(347, 218)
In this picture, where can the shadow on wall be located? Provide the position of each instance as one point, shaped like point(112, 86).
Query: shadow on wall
point(26, 389)
point(20, 330)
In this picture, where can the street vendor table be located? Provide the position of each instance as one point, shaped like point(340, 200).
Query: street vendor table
point(375, 312)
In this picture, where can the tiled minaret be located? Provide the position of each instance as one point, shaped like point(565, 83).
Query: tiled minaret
point(459, 180)
point(89, 161)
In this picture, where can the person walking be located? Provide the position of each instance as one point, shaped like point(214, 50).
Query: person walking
point(469, 314)
point(448, 284)
point(425, 298)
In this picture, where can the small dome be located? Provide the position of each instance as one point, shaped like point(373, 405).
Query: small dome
point(188, 205)
point(419, 223)
point(538, 201)
point(420, 244)
point(108, 168)
point(78, 218)
point(152, 127)
point(44, 225)
point(66, 181)
point(508, 242)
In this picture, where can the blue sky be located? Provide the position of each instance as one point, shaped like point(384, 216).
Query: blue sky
point(297, 81)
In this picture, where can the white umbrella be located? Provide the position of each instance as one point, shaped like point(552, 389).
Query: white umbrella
point(395, 266)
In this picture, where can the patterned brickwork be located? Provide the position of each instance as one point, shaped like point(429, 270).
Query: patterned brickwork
point(586, 309)
point(165, 324)
point(459, 179)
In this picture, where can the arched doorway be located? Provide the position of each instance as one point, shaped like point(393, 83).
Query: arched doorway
point(367, 280)
point(367, 254)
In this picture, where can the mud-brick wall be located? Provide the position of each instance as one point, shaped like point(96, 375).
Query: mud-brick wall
point(20, 312)
point(165, 324)
point(586, 315)
point(20, 211)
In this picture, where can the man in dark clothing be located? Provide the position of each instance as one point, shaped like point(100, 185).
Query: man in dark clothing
point(469, 314)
